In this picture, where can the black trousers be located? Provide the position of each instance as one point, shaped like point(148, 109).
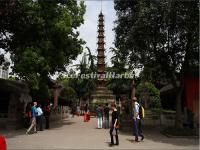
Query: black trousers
point(116, 136)
point(39, 123)
point(47, 122)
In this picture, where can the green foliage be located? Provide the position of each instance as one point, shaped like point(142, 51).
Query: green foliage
point(68, 93)
point(157, 35)
point(41, 93)
point(41, 36)
point(153, 94)
point(83, 87)
point(161, 35)
point(121, 85)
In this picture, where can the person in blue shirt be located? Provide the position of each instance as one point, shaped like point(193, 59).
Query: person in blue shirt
point(33, 121)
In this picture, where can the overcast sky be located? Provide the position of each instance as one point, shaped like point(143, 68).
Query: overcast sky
point(88, 31)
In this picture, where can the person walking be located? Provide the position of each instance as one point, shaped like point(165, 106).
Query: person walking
point(40, 118)
point(99, 117)
point(86, 113)
point(106, 116)
point(33, 121)
point(114, 125)
point(47, 112)
point(28, 115)
point(136, 120)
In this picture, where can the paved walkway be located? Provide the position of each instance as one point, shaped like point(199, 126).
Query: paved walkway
point(73, 133)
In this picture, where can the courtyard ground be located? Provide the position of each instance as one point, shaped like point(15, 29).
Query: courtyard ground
point(73, 133)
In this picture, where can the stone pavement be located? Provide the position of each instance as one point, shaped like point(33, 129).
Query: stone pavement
point(73, 133)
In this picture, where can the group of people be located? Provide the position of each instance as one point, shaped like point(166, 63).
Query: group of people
point(102, 114)
point(36, 113)
point(36, 116)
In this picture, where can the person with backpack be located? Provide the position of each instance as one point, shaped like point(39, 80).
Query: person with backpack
point(137, 113)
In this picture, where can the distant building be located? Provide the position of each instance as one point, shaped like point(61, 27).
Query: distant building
point(4, 71)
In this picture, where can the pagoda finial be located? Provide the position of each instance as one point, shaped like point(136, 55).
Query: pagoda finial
point(101, 5)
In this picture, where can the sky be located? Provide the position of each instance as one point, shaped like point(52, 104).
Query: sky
point(88, 30)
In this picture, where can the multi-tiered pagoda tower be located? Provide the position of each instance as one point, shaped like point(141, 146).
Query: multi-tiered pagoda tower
point(101, 56)
point(102, 93)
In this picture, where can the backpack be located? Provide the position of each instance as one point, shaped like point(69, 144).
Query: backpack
point(141, 112)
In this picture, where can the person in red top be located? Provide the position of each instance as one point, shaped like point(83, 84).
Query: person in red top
point(47, 112)
point(2, 143)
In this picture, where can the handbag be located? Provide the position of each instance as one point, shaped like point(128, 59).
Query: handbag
point(117, 126)
point(114, 132)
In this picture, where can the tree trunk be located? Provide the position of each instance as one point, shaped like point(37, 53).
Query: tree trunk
point(178, 118)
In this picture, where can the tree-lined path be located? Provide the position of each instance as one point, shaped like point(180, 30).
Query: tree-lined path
point(73, 133)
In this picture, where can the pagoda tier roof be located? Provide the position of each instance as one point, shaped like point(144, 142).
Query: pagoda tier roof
point(102, 56)
point(101, 25)
point(100, 42)
point(101, 36)
point(101, 14)
point(101, 49)
point(101, 30)
point(101, 18)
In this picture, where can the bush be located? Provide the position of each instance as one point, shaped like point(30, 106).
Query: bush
point(152, 93)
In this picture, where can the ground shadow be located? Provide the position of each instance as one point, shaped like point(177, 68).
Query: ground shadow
point(53, 126)
point(154, 134)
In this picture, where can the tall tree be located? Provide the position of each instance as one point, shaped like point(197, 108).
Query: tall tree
point(162, 35)
point(41, 36)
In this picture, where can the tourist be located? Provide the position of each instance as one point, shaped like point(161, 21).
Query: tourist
point(106, 116)
point(3, 145)
point(47, 112)
point(73, 110)
point(86, 113)
point(114, 125)
point(78, 110)
point(28, 115)
point(136, 120)
point(40, 117)
point(99, 117)
point(33, 121)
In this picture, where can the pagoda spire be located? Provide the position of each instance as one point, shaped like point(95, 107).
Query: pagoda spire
point(101, 49)
point(101, 93)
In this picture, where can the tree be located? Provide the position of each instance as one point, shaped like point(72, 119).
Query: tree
point(91, 59)
point(121, 85)
point(162, 35)
point(41, 36)
point(83, 84)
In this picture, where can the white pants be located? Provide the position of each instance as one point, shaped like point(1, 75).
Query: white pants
point(33, 125)
point(100, 122)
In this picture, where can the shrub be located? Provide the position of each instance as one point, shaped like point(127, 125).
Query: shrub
point(151, 92)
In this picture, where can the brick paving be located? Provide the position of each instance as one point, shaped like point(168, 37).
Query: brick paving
point(73, 133)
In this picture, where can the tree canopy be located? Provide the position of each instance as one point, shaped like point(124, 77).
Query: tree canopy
point(160, 35)
point(41, 36)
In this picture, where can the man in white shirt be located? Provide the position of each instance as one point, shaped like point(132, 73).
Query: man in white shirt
point(39, 117)
point(136, 120)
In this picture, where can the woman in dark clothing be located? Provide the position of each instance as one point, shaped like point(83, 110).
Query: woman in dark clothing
point(47, 112)
point(28, 115)
point(114, 125)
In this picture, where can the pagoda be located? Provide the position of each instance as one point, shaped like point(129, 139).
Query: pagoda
point(102, 93)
